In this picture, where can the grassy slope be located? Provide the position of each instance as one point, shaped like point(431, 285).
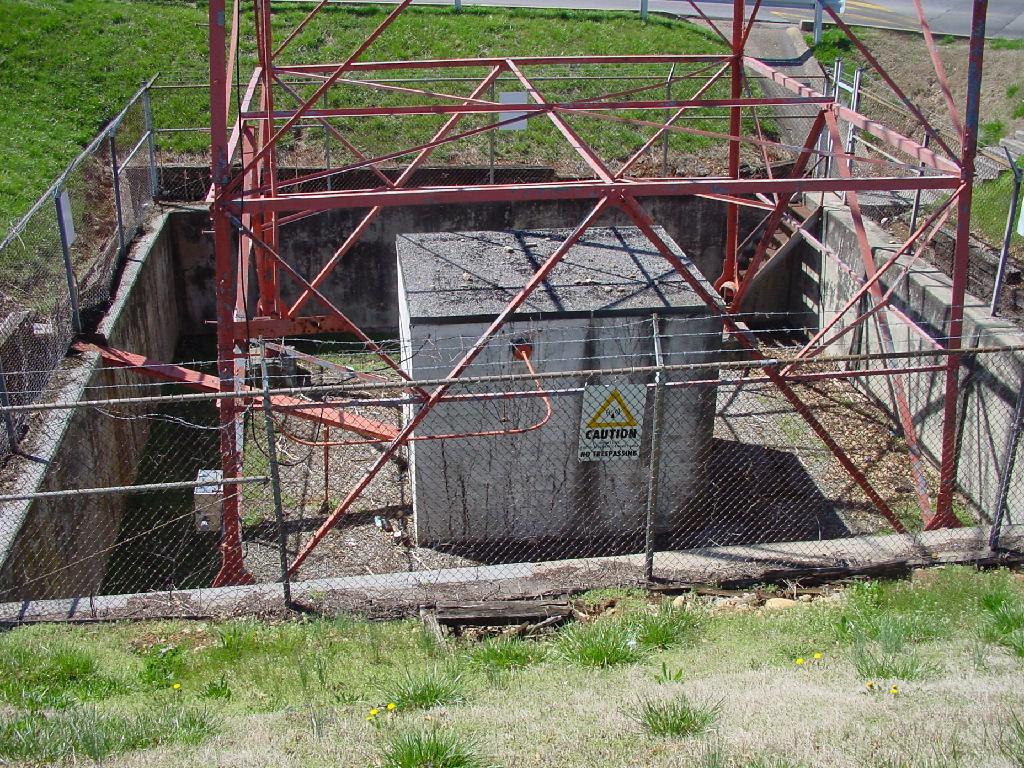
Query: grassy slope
point(67, 67)
point(299, 693)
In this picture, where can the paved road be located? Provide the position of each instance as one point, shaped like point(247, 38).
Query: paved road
point(952, 17)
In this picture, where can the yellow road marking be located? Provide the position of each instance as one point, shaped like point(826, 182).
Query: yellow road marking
point(872, 6)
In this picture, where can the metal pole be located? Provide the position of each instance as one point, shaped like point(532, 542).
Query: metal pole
point(5, 401)
point(643, 10)
point(837, 79)
point(1011, 219)
point(275, 479)
point(1013, 440)
point(458, 5)
point(818, 21)
point(147, 116)
point(112, 146)
point(327, 147)
point(855, 106)
point(69, 272)
point(664, 140)
point(915, 212)
point(493, 140)
point(654, 478)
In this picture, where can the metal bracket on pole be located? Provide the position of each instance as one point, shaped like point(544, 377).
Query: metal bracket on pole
point(275, 478)
point(1011, 219)
point(655, 468)
point(1012, 443)
point(116, 173)
point(65, 247)
point(147, 116)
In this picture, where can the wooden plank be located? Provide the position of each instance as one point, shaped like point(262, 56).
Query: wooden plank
point(497, 612)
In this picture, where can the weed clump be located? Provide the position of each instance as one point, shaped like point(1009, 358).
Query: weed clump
point(506, 654)
point(678, 717)
point(426, 689)
point(433, 748)
point(603, 643)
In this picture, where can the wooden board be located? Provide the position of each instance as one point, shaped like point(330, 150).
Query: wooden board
point(498, 612)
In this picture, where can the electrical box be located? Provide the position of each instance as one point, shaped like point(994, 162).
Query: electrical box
point(208, 501)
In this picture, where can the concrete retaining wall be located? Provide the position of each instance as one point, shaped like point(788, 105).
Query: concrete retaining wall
point(68, 449)
point(364, 285)
point(990, 382)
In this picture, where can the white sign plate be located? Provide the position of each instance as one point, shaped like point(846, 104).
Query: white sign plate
point(1020, 222)
point(513, 97)
point(611, 424)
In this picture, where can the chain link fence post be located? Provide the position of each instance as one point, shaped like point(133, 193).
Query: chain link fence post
point(1012, 444)
point(1011, 220)
point(116, 174)
point(5, 403)
point(147, 117)
point(655, 468)
point(62, 206)
point(275, 479)
point(665, 138)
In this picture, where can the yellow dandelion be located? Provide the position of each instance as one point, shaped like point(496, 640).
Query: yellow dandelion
point(894, 690)
point(176, 686)
point(800, 661)
point(369, 718)
point(374, 712)
point(817, 656)
point(392, 706)
point(870, 685)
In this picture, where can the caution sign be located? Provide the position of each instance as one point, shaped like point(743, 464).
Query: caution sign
point(611, 425)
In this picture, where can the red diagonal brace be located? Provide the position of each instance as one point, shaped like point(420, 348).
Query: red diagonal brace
point(203, 382)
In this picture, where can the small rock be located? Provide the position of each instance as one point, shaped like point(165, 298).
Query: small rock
point(778, 603)
point(679, 602)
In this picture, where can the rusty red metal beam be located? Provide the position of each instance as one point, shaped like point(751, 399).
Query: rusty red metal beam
point(320, 413)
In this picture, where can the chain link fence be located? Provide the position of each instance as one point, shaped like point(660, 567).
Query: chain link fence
point(566, 474)
point(59, 263)
point(995, 207)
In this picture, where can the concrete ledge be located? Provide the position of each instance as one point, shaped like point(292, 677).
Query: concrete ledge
point(398, 593)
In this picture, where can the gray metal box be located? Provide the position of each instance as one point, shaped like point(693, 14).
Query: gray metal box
point(594, 312)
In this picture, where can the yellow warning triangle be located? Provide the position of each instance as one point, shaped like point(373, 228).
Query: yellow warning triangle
point(622, 418)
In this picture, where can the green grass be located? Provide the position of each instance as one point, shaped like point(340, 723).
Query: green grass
point(88, 733)
point(601, 643)
point(506, 653)
point(992, 131)
point(1011, 741)
point(665, 628)
point(990, 207)
point(1003, 44)
point(678, 717)
point(58, 96)
point(300, 691)
point(430, 748)
point(834, 45)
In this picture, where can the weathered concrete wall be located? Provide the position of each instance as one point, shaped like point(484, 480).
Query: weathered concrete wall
point(56, 547)
point(990, 382)
point(364, 285)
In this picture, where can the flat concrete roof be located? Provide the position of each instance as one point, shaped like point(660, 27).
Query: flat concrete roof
point(459, 276)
